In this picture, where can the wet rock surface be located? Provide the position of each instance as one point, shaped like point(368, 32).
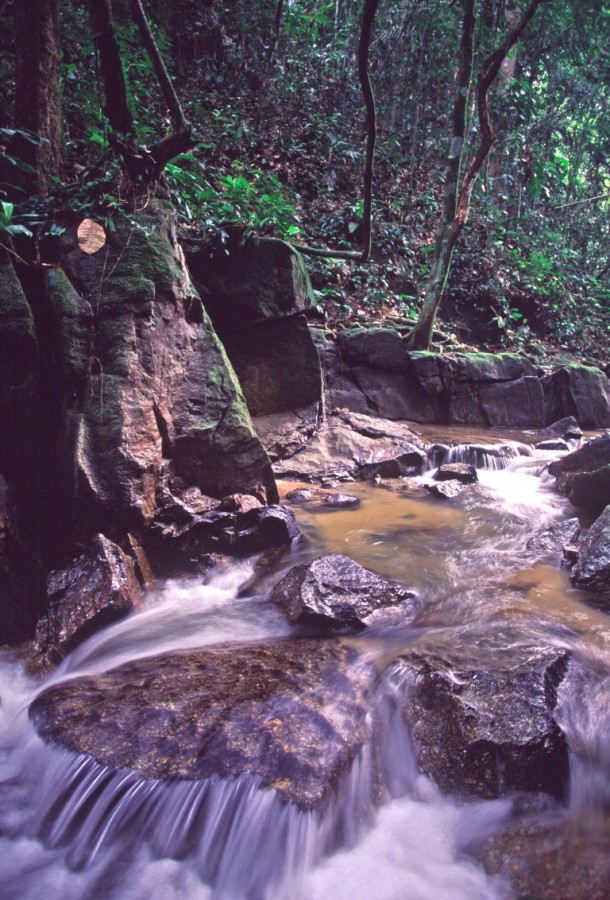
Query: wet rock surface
point(553, 540)
point(462, 472)
point(549, 862)
point(446, 490)
point(334, 592)
point(487, 733)
point(294, 713)
point(592, 570)
point(98, 588)
point(351, 445)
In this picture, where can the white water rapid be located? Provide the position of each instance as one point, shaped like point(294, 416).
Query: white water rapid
point(71, 829)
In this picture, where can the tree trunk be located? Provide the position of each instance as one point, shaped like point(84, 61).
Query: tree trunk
point(37, 89)
point(446, 234)
point(456, 203)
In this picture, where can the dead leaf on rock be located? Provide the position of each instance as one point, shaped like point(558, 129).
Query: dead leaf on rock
point(91, 236)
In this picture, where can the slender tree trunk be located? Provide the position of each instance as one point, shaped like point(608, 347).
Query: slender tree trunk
point(456, 204)
point(446, 234)
point(37, 88)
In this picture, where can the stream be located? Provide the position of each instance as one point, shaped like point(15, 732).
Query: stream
point(70, 830)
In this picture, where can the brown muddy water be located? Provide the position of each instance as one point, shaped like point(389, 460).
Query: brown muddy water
point(486, 599)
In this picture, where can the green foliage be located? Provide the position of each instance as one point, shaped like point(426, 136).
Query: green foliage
point(245, 196)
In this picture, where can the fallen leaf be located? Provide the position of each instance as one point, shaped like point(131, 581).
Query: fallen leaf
point(91, 236)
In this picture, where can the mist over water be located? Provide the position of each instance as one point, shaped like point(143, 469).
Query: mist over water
point(73, 829)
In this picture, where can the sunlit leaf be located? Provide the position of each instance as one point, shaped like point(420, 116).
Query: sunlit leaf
point(91, 236)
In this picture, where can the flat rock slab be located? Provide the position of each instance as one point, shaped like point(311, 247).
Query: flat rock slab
point(293, 712)
point(485, 733)
point(334, 592)
point(355, 445)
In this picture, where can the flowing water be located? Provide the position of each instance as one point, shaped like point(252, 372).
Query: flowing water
point(72, 829)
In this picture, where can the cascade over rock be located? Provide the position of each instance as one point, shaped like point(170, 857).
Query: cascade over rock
point(294, 713)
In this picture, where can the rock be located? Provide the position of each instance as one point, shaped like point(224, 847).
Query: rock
point(447, 490)
point(178, 548)
point(377, 348)
point(337, 501)
point(579, 391)
point(487, 733)
point(566, 428)
point(552, 541)
point(305, 495)
point(162, 386)
point(96, 589)
point(543, 860)
point(240, 503)
point(394, 396)
point(334, 592)
point(347, 444)
point(592, 570)
point(591, 456)
point(341, 391)
point(552, 444)
point(294, 713)
point(390, 466)
point(244, 279)
point(462, 472)
point(284, 434)
point(591, 490)
point(277, 365)
point(322, 499)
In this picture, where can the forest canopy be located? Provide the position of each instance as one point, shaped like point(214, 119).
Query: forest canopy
point(268, 124)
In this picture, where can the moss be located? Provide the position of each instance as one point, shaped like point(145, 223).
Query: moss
point(15, 311)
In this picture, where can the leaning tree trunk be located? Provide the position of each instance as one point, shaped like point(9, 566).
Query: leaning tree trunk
point(37, 89)
point(447, 234)
point(456, 204)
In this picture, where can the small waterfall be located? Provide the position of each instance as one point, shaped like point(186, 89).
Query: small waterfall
point(584, 716)
point(481, 456)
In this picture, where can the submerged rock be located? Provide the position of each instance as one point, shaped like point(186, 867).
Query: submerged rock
point(334, 592)
point(592, 569)
point(98, 588)
point(485, 733)
point(294, 713)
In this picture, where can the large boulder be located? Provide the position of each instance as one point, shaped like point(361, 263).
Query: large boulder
point(592, 456)
point(97, 588)
point(592, 570)
point(24, 489)
point(591, 490)
point(488, 732)
point(243, 279)
point(160, 384)
point(579, 391)
point(293, 713)
point(334, 592)
point(277, 365)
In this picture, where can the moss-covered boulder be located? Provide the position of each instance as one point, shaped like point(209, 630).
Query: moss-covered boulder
point(158, 382)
